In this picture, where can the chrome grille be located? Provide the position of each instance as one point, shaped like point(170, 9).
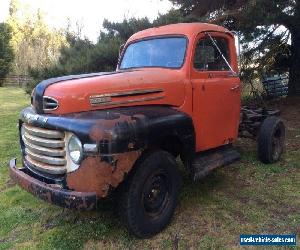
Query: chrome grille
point(49, 103)
point(45, 149)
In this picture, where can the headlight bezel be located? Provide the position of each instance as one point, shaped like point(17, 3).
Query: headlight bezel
point(22, 132)
point(77, 143)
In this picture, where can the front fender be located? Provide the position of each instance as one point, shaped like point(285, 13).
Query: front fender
point(122, 129)
point(121, 135)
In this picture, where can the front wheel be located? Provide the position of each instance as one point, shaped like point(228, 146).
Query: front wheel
point(149, 196)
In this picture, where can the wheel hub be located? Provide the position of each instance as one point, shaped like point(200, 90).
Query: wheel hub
point(155, 194)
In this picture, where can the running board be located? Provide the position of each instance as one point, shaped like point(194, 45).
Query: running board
point(205, 162)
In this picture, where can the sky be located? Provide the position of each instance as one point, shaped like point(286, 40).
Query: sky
point(90, 13)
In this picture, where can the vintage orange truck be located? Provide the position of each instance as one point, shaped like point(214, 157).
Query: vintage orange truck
point(175, 92)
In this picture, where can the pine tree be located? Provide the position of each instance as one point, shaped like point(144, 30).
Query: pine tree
point(270, 30)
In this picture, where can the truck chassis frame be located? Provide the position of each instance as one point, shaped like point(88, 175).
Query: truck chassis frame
point(251, 120)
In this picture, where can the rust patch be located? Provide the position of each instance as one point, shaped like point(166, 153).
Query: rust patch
point(96, 133)
point(103, 129)
point(95, 175)
point(98, 175)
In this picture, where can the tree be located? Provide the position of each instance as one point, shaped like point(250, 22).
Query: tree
point(270, 31)
point(127, 27)
point(35, 44)
point(6, 51)
point(82, 56)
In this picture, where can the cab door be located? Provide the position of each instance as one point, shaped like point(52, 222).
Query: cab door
point(216, 90)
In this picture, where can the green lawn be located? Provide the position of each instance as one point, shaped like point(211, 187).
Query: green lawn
point(246, 197)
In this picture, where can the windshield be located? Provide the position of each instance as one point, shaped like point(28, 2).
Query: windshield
point(165, 52)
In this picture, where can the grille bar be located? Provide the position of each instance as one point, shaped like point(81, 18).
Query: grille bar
point(44, 142)
point(44, 151)
point(45, 133)
point(46, 159)
point(46, 167)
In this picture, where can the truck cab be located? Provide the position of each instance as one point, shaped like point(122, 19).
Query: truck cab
point(175, 93)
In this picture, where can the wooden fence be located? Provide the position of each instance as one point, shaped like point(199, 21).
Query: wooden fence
point(15, 80)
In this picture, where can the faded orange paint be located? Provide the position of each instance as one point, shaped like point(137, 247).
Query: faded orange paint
point(216, 101)
point(209, 97)
point(190, 30)
point(74, 95)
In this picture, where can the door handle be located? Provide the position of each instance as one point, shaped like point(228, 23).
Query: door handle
point(235, 88)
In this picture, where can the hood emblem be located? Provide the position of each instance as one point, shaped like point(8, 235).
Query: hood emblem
point(95, 100)
point(30, 118)
point(106, 99)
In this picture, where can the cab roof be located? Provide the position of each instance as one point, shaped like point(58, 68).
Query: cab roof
point(187, 29)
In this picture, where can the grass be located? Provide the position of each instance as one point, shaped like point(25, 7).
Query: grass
point(246, 197)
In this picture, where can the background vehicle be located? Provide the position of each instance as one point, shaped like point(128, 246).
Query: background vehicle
point(176, 92)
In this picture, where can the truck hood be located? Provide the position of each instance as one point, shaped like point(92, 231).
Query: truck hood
point(151, 86)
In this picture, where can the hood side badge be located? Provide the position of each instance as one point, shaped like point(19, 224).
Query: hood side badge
point(106, 99)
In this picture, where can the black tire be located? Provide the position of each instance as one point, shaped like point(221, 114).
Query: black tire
point(149, 195)
point(270, 142)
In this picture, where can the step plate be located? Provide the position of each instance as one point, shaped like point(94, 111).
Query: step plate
point(207, 161)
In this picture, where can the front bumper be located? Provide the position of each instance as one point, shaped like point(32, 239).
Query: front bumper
point(47, 192)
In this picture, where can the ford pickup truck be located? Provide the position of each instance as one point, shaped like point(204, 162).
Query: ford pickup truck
point(174, 95)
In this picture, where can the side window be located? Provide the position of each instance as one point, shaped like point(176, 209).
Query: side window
point(208, 58)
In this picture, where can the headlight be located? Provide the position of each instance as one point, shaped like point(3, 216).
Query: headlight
point(75, 149)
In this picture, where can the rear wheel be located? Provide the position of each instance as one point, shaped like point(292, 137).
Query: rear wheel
point(149, 196)
point(271, 140)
